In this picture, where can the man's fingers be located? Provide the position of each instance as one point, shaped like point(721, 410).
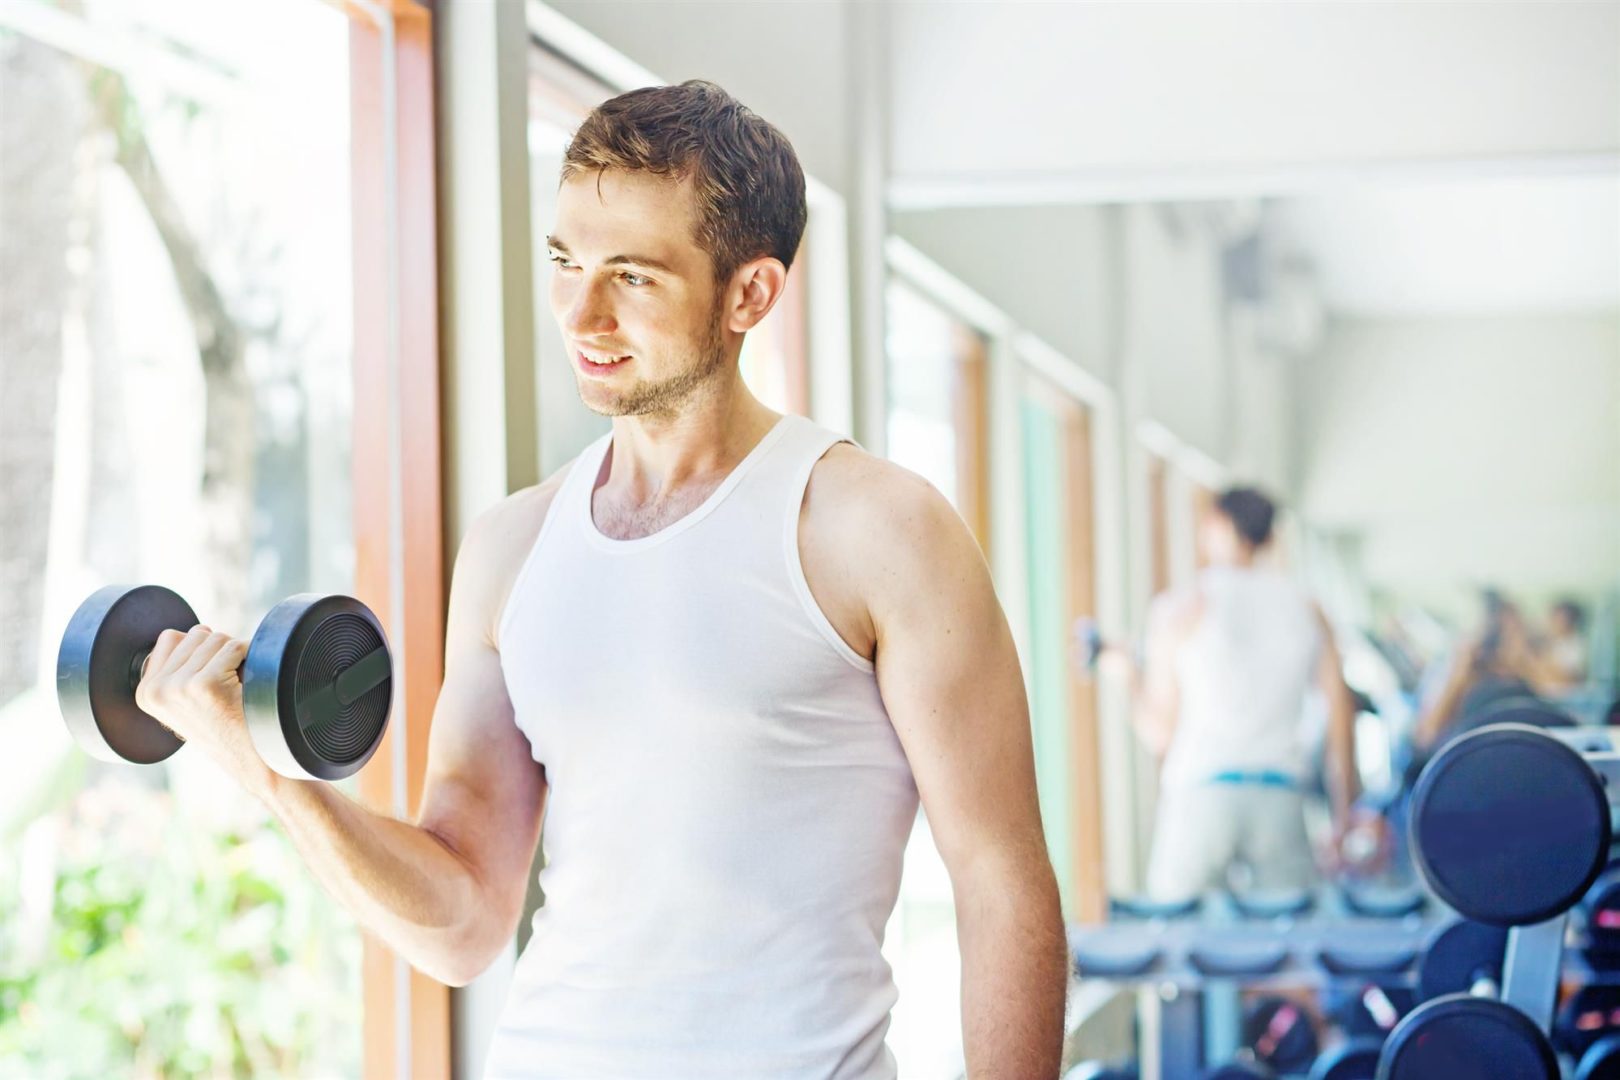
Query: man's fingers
point(226, 659)
point(182, 652)
point(203, 654)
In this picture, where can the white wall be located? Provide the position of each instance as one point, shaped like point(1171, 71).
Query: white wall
point(1039, 96)
point(1049, 268)
point(1134, 294)
point(1469, 450)
point(786, 60)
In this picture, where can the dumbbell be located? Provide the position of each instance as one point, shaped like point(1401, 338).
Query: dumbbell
point(1280, 1034)
point(1356, 1059)
point(1602, 1061)
point(316, 685)
point(1088, 643)
point(1462, 957)
point(1097, 1070)
point(1240, 1070)
point(1510, 827)
point(1590, 1015)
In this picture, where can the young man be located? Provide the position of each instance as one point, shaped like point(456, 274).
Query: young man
point(723, 652)
point(1228, 665)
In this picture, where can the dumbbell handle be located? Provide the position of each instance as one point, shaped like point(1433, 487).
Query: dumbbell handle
point(353, 682)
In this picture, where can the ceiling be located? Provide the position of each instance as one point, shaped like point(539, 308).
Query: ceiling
point(1494, 245)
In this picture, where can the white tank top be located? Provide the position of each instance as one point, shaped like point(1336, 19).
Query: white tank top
point(1243, 674)
point(728, 806)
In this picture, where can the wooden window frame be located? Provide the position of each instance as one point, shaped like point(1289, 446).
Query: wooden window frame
point(971, 394)
point(406, 1015)
point(1088, 862)
point(1158, 484)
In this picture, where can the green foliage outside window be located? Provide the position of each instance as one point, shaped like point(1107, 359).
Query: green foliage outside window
point(174, 949)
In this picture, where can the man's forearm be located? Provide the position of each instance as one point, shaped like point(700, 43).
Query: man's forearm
point(399, 881)
point(1015, 971)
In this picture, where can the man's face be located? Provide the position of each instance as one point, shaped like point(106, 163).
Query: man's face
point(1218, 539)
point(628, 281)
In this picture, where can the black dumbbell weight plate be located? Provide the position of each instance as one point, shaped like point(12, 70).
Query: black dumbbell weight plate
point(1353, 1060)
point(1280, 1034)
point(317, 686)
point(1240, 1070)
point(1457, 955)
point(1510, 826)
point(1591, 1014)
point(1602, 1061)
point(98, 668)
point(1467, 1038)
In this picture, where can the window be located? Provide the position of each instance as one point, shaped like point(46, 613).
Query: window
point(176, 402)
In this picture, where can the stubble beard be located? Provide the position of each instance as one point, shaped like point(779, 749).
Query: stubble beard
point(666, 397)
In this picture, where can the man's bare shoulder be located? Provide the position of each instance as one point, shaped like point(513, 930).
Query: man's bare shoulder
point(497, 542)
point(852, 492)
point(883, 522)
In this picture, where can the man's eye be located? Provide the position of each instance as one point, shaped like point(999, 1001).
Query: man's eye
point(635, 279)
point(562, 262)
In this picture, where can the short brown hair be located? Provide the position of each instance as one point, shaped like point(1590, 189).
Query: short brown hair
point(747, 180)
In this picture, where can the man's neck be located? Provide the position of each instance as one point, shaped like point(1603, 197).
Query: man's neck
point(655, 456)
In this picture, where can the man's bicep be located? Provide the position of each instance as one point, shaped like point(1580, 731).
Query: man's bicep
point(484, 793)
point(949, 675)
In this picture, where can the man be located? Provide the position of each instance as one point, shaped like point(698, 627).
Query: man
point(724, 653)
point(1228, 665)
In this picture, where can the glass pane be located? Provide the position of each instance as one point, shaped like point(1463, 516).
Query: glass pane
point(175, 408)
point(922, 387)
point(555, 110)
point(1046, 541)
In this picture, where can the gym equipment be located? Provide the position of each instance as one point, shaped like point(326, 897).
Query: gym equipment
point(1602, 1061)
point(1464, 957)
point(1280, 1034)
point(1511, 825)
point(1591, 1014)
point(317, 682)
point(1600, 922)
point(1088, 642)
point(1462, 1037)
point(1373, 1011)
point(1382, 901)
point(1278, 904)
point(1240, 1070)
point(1096, 1070)
point(1482, 815)
point(1356, 1059)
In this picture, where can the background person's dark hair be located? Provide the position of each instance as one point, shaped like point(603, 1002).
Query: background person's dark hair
point(1573, 613)
point(1249, 511)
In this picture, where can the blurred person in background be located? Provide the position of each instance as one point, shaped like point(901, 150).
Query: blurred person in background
point(1561, 655)
point(1494, 664)
point(1220, 700)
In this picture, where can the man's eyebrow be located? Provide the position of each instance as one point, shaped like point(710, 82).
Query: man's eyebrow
point(622, 260)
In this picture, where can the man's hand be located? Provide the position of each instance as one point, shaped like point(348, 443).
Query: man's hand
point(1361, 843)
point(191, 686)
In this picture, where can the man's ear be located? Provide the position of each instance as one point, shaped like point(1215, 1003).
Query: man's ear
point(755, 288)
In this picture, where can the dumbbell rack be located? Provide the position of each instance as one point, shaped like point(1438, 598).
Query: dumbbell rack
point(1511, 825)
point(1181, 957)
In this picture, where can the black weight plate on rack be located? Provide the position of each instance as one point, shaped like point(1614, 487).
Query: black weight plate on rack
point(1458, 954)
point(1509, 825)
point(1281, 1034)
point(1591, 1013)
point(1602, 1061)
point(1467, 1038)
point(1353, 1060)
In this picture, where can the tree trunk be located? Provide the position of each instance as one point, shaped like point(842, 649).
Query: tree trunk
point(38, 169)
point(228, 439)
